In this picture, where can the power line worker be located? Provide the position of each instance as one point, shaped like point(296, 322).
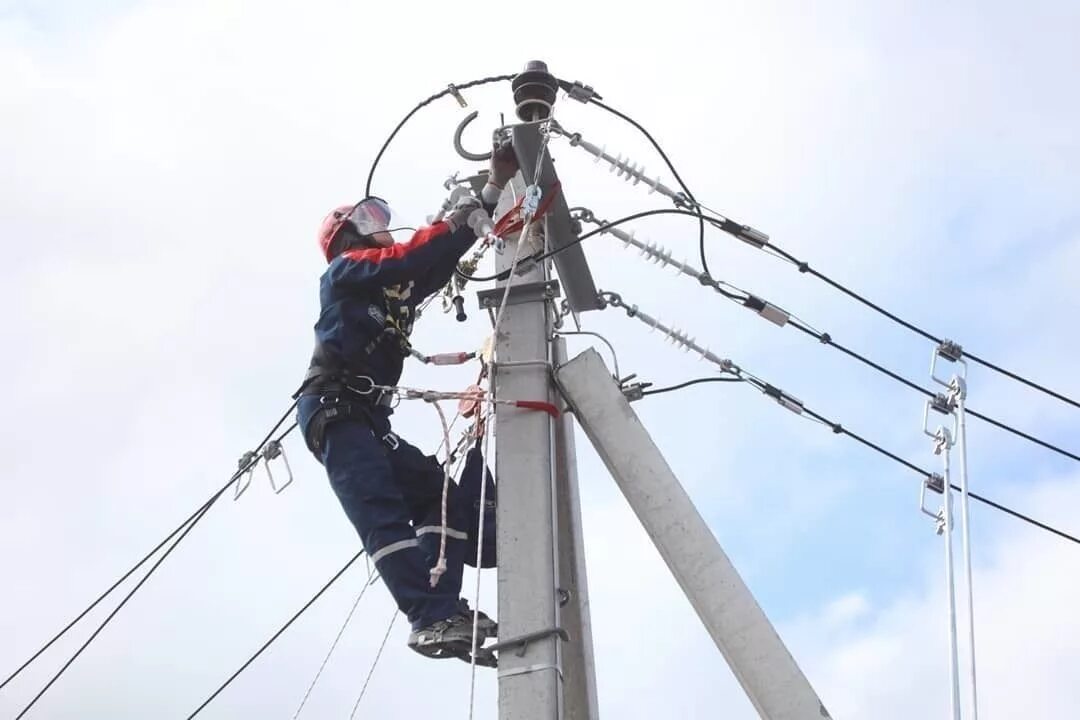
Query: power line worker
point(389, 489)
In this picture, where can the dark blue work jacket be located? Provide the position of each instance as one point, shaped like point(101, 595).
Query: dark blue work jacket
point(368, 299)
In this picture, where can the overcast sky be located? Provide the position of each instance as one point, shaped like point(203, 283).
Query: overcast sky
point(163, 170)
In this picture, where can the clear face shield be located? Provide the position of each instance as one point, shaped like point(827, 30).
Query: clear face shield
point(369, 220)
point(370, 216)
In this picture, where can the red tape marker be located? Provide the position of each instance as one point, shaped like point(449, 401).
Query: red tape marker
point(547, 407)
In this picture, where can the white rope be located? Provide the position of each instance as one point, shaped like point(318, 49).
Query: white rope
point(440, 565)
point(479, 556)
point(371, 670)
point(367, 583)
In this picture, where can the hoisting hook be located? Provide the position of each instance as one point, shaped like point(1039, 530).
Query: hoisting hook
point(475, 157)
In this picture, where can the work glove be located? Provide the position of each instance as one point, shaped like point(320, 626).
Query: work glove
point(502, 167)
point(458, 216)
point(503, 164)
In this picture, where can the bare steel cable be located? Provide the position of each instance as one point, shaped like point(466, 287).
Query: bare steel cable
point(337, 639)
point(276, 635)
point(374, 663)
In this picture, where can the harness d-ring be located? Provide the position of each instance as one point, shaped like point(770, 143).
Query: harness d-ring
point(475, 157)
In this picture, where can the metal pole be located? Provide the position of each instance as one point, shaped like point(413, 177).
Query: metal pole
point(773, 681)
point(580, 701)
point(945, 442)
point(961, 395)
point(529, 674)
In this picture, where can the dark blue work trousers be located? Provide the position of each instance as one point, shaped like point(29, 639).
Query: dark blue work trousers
point(392, 494)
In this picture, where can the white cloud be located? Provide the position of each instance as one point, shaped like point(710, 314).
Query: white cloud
point(162, 172)
point(889, 660)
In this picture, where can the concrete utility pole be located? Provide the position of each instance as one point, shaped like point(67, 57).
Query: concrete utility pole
point(539, 544)
point(762, 664)
point(546, 668)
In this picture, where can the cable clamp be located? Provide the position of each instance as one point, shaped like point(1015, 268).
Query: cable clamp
point(943, 404)
point(245, 468)
point(579, 91)
point(635, 391)
point(745, 233)
point(766, 310)
point(935, 482)
point(790, 402)
point(457, 95)
point(272, 451)
point(951, 351)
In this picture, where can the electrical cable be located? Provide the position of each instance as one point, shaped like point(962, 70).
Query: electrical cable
point(276, 635)
point(798, 407)
point(112, 614)
point(804, 267)
point(187, 523)
point(822, 337)
point(671, 167)
point(449, 90)
point(826, 339)
point(581, 238)
point(688, 383)
point(838, 428)
point(614, 355)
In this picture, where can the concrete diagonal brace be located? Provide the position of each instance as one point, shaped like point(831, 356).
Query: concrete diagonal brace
point(758, 657)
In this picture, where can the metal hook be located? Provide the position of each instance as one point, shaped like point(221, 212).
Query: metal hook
point(475, 157)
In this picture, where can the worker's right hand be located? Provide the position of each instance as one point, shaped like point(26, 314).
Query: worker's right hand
point(458, 215)
point(503, 164)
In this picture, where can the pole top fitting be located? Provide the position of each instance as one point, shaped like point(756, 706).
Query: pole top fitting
point(535, 90)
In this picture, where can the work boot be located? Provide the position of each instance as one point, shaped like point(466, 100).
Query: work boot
point(452, 637)
point(485, 626)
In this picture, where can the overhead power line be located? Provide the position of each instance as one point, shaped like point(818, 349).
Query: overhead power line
point(804, 267)
point(762, 241)
point(797, 406)
point(276, 635)
point(778, 315)
point(181, 530)
point(113, 614)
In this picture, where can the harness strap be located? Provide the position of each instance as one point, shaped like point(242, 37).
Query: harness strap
point(345, 409)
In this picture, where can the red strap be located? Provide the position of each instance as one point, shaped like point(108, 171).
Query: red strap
point(547, 407)
point(512, 221)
